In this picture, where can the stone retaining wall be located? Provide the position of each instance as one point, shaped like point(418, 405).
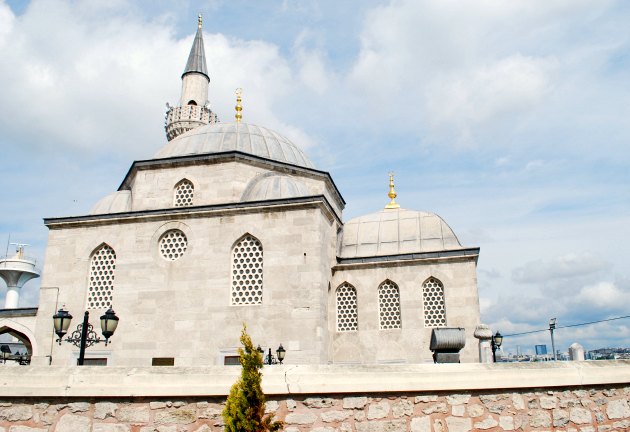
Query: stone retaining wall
point(577, 409)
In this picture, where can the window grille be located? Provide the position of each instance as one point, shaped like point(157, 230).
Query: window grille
point(347, 316)
point(184, 192)
point(247, 272)
point(389, 305)
point(173, 244)
point(101, 279)
point(433, 301)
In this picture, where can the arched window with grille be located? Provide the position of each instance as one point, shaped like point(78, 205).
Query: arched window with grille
point(101, 279)
point(347, 311)
point(247, 271)
point(184, 192)
point(389, 306)
point(433, 303)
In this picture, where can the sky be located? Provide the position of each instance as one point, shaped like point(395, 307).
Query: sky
point(510, 120)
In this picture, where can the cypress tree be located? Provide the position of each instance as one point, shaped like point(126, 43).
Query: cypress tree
point(245, 407)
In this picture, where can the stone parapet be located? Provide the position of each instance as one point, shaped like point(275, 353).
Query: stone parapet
point(38, 381)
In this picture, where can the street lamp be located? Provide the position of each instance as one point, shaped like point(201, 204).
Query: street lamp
point(496, 342)
point(552, 327)
point(269, 358)
point(84, 336)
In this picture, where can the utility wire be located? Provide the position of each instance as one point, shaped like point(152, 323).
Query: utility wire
point(567, 326)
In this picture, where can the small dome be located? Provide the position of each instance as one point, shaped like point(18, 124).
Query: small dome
point(274, 187)
point(117, 202)
point(394, 232)
point(223, 137)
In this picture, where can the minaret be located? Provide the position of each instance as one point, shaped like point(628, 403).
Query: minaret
point(16, 271)
point(193, 110)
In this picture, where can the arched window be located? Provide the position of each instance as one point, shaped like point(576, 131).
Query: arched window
point(433, 301)
point(101, 281)
point(347, 316)
point(184, 191)
point(389, 305)
point(192, 102)
point(247, 271)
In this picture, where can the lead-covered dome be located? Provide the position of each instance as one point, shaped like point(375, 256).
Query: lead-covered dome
point(276, 186)
point(117, 202)
point(243, 137)
point(394, 232)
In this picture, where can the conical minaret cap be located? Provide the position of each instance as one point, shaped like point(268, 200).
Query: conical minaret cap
point(197, 57)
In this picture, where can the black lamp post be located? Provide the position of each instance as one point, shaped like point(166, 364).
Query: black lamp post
point(84, 336)
point(496, 342)
point(269, 358)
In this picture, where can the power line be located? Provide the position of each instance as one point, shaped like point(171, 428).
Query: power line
point(567, 326)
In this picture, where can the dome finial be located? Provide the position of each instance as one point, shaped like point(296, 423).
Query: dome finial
point(239, 107)
point(392, 193)
point(199, 21)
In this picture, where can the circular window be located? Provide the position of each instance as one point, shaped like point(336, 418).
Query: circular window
point(173, 244)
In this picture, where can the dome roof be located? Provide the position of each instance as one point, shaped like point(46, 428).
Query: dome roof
point(223, 137)
point(117, 202)
point(394, 232)
point(274, 187)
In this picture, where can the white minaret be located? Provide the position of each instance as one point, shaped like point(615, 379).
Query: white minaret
point(16, 271)
point(193, 110)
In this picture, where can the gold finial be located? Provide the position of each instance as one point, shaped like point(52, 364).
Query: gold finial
point(239, 107)
point(392, 193)
point(199, 21)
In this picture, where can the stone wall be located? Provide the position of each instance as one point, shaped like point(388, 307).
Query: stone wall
point(579, 409)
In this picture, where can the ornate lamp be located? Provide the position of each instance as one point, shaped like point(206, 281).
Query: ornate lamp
point(61, 322)
point(496, 342)
point(109, 322)
point(280, 352)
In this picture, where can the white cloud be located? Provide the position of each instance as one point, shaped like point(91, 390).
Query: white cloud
point(603, 295)
point(566, 266)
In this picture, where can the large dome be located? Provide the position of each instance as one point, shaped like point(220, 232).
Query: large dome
point(395, 232)
point(247, 138)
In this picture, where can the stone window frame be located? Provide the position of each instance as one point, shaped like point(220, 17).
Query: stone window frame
point(382, 304)
point(178, 188)
point(352, 325)
point(441, 298)
point(234, 277)
point(92, 279)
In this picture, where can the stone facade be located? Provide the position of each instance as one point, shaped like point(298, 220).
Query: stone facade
point(578, 409)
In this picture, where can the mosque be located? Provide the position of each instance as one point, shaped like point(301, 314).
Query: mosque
point(231, 223)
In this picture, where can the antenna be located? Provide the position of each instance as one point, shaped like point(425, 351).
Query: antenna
point(8, 240)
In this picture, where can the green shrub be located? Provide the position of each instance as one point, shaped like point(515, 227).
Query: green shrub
point(245, 407)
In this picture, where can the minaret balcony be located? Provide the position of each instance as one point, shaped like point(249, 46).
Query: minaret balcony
point(180, 119)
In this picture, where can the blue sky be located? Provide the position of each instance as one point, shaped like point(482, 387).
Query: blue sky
point(508, 119)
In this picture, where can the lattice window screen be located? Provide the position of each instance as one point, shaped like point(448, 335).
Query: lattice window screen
point(184, 192)
point(247, 272)
point(433, 300)
point(347, 316)
point(101, 281)
point(173, 244)
point(389, 305)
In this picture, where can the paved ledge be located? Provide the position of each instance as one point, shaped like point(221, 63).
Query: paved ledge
point(94, 381)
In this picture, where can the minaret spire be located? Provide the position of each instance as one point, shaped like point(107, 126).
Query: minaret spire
point(197, 57)
point(193, 110)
